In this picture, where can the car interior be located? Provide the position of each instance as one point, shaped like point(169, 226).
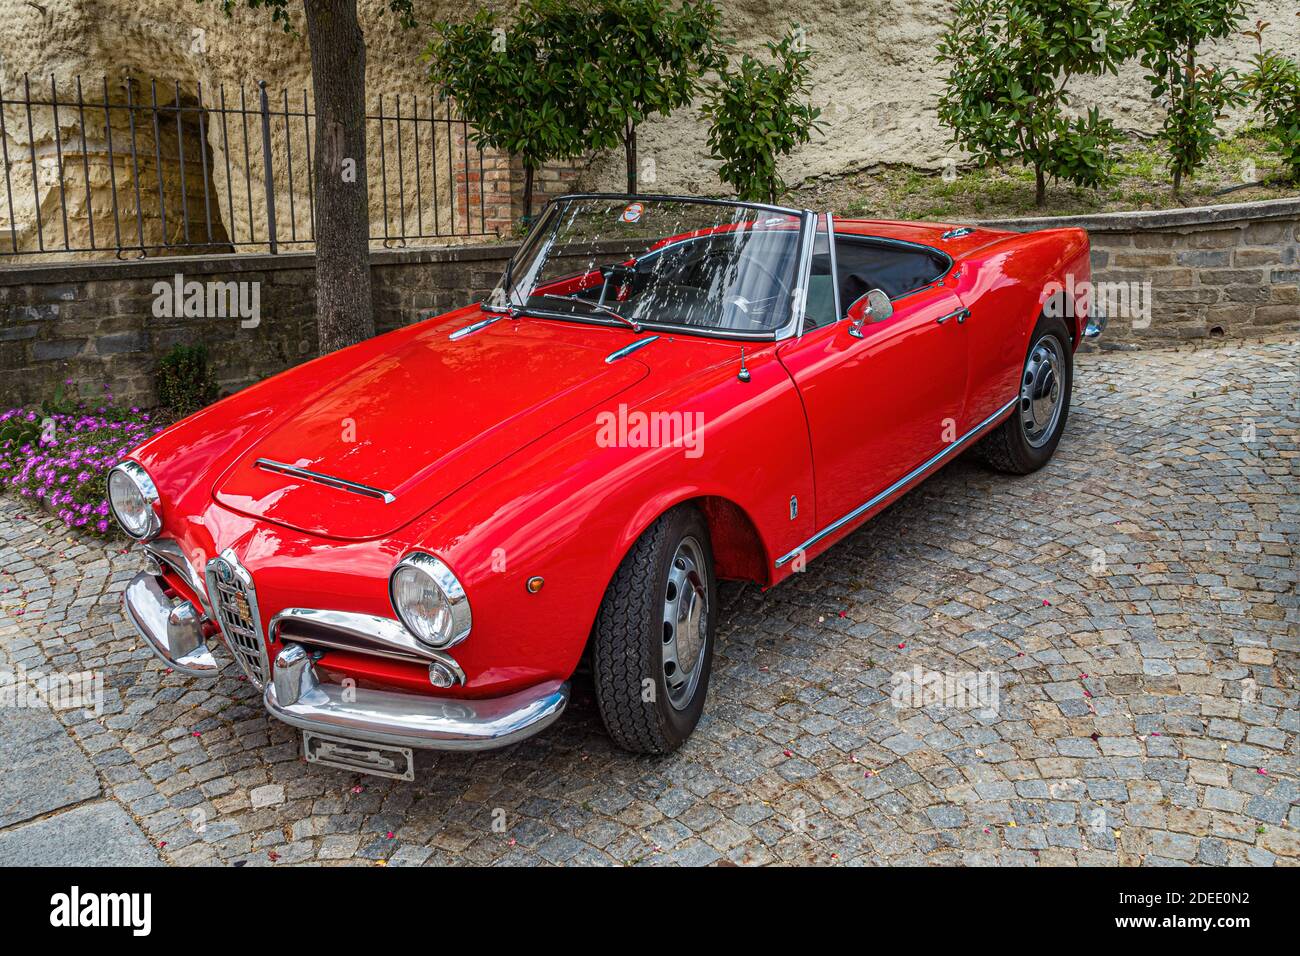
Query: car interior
point(865, 263)
point(709, 283)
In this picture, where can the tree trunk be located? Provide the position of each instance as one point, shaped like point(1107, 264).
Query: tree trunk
point(1188, 97)
point(1040, 185)
point(344, 313)
point(528, 194)
point(629, 149)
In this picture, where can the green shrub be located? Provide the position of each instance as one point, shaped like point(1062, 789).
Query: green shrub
point(184, 381)
point(1275, 86)
point(757, 114)
point(638, 58)
point(512, 83)
point(1169, 34)
point(1009, 66)
point(18, 429)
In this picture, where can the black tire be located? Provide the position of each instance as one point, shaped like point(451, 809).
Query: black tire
point(629, 639)
point(1010, 447)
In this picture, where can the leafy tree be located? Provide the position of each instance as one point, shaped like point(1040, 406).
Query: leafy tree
point(757, 114)
point(1169, 34)
point(344, 313)
point(517, 85)
point(642, 57)
point(1005, 94)
point(1275, 86)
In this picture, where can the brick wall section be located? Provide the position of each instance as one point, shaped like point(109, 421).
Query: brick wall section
point(503, 190)
point(1231, 270)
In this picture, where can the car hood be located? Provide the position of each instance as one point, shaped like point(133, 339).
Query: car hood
point(419, 422)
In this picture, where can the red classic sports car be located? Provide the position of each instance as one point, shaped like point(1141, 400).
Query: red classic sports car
point(414, 542)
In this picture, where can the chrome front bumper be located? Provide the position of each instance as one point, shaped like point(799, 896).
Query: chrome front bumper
point(171, 628)
point(296, 695)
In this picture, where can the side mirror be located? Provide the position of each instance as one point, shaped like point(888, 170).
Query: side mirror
point(877, 309)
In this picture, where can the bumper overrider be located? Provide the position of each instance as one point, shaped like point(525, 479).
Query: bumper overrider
point(173, 629)
point(1096, 323)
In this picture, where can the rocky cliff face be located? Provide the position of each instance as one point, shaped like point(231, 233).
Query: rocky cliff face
point(875, 79)
point(200, 57)
point(876, 82)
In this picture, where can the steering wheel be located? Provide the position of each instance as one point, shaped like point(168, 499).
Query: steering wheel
point(752, 262)
point(746, 306)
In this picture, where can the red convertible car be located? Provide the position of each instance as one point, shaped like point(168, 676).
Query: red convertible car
point(416, 541)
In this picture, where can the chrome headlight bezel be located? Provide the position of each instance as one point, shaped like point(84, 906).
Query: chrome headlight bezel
point(444, 581)
point(148, 492)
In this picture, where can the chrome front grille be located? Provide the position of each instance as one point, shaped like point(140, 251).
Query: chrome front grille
point(234, 601)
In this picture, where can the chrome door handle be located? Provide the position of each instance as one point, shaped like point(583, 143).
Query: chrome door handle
point(960, 315)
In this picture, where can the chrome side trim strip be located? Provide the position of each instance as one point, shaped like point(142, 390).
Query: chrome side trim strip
point(897, 486)
point(474, 327)
point(341, 483)
point(629, 349)
point(358, 633)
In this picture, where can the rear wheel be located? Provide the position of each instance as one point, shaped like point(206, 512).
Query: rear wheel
point(652, 646)
point(1026, 441)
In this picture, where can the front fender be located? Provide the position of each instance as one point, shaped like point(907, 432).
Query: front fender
point(568, 509)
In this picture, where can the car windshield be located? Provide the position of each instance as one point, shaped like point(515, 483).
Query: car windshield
point(697, 266)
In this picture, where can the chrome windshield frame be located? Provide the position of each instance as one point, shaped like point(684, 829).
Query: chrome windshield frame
point(789, 329)
point(840, 312)
point(835, 267)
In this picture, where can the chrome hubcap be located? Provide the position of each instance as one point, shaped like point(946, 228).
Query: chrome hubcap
point(1042, 391)
point(686, 622)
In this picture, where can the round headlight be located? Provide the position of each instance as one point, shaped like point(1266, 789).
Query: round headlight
point(429, 600)
point(133, 500)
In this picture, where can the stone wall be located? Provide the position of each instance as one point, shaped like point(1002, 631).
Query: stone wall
point(1225, 270)
point(1231, 270)
point(94, 322)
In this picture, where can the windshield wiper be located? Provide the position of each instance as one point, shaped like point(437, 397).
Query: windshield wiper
point(606, 310)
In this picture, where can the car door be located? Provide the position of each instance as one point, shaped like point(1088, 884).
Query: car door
point(881, 404)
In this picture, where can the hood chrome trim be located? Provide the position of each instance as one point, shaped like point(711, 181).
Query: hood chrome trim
point(387, 497)
point(473, 327)
point(629, 349)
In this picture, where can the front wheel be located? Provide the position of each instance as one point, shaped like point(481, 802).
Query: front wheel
point(652, 646)
point(1026, 441)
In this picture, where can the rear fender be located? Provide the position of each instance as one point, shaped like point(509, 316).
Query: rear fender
point(1007, 286)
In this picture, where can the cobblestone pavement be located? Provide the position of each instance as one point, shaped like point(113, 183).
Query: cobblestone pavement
point(1137, 600)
